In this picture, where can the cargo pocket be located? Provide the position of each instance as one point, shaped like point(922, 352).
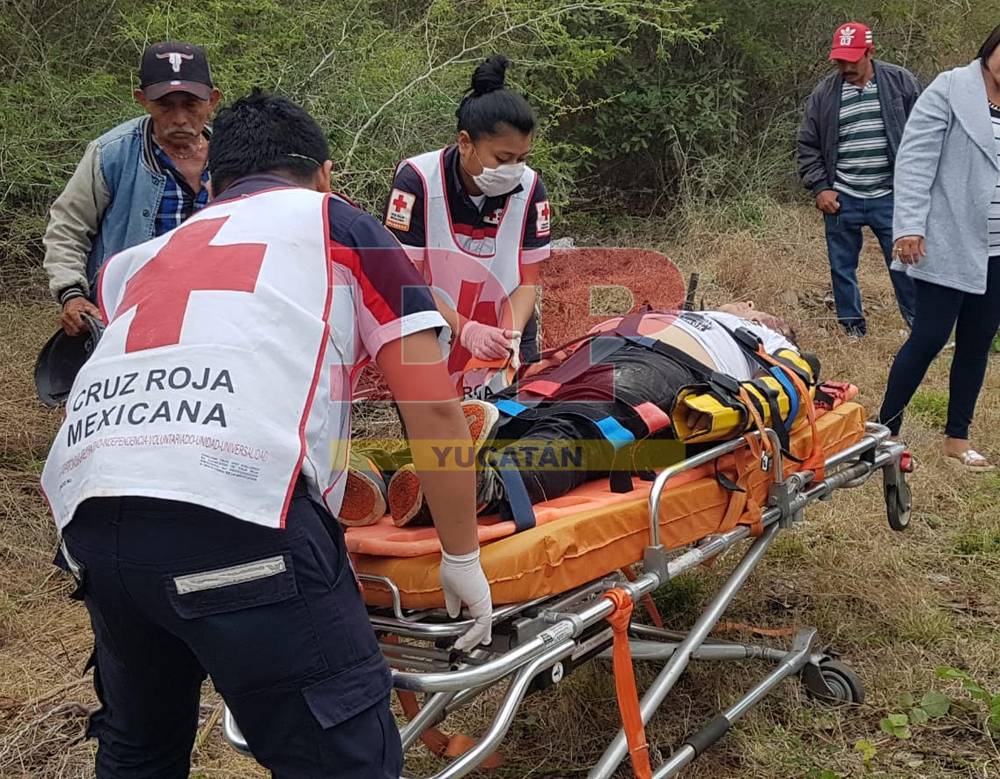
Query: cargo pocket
point(346, 694)
point(247, 623)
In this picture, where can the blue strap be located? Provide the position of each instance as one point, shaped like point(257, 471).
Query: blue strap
point(517, 505)
point(793, 394)
point(510, 407)
point(613, 430)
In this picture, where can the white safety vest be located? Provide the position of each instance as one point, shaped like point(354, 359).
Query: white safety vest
point(474, 282)
point(216, 380)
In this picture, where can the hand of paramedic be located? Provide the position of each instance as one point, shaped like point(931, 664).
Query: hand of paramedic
point(419, 381)
point(483, 341)
point(909, 249)
point(487, 342)
point(827, 202)
point(71, 317)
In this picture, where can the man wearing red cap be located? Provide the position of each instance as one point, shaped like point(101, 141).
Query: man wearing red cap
point(135, 182)
point(847, 146)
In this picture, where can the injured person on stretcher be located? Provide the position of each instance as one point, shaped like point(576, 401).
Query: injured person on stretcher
point(631, 396)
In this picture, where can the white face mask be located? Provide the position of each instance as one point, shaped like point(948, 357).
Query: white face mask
point(498, 181)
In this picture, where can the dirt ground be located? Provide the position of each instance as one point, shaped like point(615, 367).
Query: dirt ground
point(894, 606)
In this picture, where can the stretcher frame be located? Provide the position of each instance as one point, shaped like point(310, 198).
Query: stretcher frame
point(537, 643)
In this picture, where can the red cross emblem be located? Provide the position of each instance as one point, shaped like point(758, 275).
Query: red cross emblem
point(543, 225)
point(188, 262)
point(399, 203)
point(471, 307)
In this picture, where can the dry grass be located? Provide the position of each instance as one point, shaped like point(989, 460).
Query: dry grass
point(896, 606)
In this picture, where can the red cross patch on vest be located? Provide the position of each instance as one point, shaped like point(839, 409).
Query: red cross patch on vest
point(544, 221)
point(400, 210)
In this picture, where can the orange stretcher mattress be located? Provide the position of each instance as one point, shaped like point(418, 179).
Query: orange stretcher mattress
point(583, 535)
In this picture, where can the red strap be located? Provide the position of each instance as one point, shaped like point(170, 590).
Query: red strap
point(765, 441)
point(816, 461)
point(739, 627)
point(475, 362)
point(653, 416)
point(753, 513)
point(738, 498)
point(436, 741)
point(628, 696)
point(646, 600)
point(743, 507)
point(542, 387)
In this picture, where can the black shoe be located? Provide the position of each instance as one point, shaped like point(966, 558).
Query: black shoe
point(855, 329)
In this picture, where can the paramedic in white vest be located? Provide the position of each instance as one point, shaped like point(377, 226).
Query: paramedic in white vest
point(203, 453)
point(475, 220)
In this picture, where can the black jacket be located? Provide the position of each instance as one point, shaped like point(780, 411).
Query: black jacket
point(898, 90)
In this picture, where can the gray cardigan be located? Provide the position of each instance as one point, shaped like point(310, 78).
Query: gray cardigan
point(946, 173)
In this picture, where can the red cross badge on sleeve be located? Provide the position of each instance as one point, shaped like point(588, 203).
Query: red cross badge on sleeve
point(400, 211)
point(544, 222)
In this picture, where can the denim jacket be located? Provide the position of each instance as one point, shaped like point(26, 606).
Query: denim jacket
point(109, 204)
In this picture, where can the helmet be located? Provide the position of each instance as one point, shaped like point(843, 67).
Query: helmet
point(61, 359)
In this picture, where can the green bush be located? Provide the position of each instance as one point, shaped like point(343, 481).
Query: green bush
point(654, 103)
point(383, 78)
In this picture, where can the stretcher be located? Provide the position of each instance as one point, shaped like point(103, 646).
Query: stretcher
point(569, 592)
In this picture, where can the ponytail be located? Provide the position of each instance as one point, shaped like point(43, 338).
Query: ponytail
point(488, 104)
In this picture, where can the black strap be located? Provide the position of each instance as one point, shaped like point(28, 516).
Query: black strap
point(723, 395)
point(777, 424)
point(621, 481)
point(796, 369)
point(724, 481)
point(698, 368)
point(691, 290)
point(751, 343)
point(517, 504)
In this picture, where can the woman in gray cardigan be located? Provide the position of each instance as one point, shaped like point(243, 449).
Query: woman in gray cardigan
point(946, 227)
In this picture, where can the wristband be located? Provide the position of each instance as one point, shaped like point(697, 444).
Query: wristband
point(460, 559)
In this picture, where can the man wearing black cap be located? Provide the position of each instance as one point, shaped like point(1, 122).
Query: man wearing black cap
point(135, 182)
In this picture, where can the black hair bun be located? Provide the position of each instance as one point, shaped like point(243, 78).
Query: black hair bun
point(490, 76)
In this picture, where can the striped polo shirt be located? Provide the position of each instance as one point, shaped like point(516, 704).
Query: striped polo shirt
point(995, 204)
point(863, 168)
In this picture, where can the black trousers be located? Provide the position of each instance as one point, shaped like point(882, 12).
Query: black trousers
point(275, 617)
point(561, 448)
point(939, 309)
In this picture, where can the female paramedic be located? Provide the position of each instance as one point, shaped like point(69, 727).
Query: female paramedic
point(202, 455)
point(475, 221)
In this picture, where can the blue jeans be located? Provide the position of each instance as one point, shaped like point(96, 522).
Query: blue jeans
point(843, 242)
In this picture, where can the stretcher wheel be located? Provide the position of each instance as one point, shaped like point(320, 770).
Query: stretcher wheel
point(834, 683)
point(898, 505)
